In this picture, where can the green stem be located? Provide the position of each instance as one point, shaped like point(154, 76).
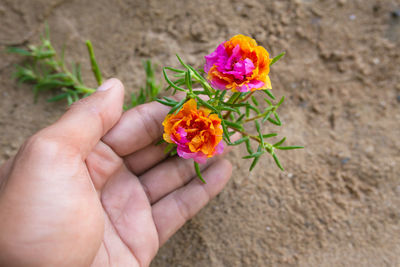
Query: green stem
point(262, 115)
point(232, 100)
point(95, 67)
point(247, 97)
point(84, 89)
point(254, 137)
point(61, 67)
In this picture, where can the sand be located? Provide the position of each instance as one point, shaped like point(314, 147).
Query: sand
point(338, 201)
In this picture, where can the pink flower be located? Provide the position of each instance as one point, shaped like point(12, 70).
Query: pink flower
point(238, 65)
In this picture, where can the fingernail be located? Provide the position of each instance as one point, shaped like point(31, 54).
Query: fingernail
point(106, 85)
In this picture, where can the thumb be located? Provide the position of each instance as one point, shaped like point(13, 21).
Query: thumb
point(89, 119)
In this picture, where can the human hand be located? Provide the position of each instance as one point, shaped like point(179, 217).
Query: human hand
point(93, 189)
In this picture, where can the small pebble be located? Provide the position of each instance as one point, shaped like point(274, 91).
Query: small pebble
point(396, 13)
point(398, 98)
point(376, 61)
point(303, 104)
point(345, 160)
point(268, 228)
point(352, 17)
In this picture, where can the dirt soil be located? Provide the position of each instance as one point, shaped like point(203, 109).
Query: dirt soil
point(338, 202)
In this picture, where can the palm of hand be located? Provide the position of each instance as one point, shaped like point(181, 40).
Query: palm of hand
point(111, 202)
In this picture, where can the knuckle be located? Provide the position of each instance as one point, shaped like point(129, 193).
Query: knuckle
point(152, 126)
point(39, 142)
point(40, 145)
point(183, 207)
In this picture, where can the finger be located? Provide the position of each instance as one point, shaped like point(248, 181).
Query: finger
point(172, 174)
point(102, 163)
point(137, 128)
point(5, 169)
point(171, 212)
point(90, 118)
point(144, 159)
point(128, 208)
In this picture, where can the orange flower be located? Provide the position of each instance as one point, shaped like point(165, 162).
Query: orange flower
point(239, 65)
point(196, 132)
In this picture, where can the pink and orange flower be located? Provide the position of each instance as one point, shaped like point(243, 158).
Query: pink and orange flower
point(239, 65)
point(196, 132)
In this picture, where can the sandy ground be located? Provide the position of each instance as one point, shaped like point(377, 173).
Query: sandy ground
point(338, 202)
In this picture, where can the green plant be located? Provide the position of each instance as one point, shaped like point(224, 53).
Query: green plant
point(47, 70)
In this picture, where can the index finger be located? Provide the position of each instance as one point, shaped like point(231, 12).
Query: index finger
point(137, 128)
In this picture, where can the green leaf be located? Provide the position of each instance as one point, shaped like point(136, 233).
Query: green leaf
point(230, 109)
point(248, 147)
point(58, 97)
point(181, 61)
point(269, 93)
point(241, 140)
point(170, 100)
point(254, 100)
point(255, 109)
point(52, 84)
point(234, 125)
point(197, 74)
point(275, 59)
point(260, 135)
point(280, 101)
point(277, 117)
point(177, 106)
point(175, 70)
point(270, 135)
point(237, 105)
point(247, 111)
point(168, 148)
point(19, 51)
point(93, 62)
point(288, 147)
point(254, 163)
point(277, 121)
point(240, 118)
point(134, 102)
point(76, 70)
point(269, 102)
point(202, 92)
point(277, 161)
point(166, 103)
point(43, 54)
point(188, 80)
point(221, 97)
point(198, 172)
point(170, 82)
point(233, 98)
point(280, 142)
point(257, 154)
point(204, 103)
point(266, 117)
point(225, 133)
point(177, 82)
point(161, 141)
point(70, 100)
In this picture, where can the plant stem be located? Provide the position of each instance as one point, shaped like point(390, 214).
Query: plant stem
point(95, 67)
point(232, 100)
point(61, 67)
point(257, 117)
point(247, 97)
point(254, 137)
